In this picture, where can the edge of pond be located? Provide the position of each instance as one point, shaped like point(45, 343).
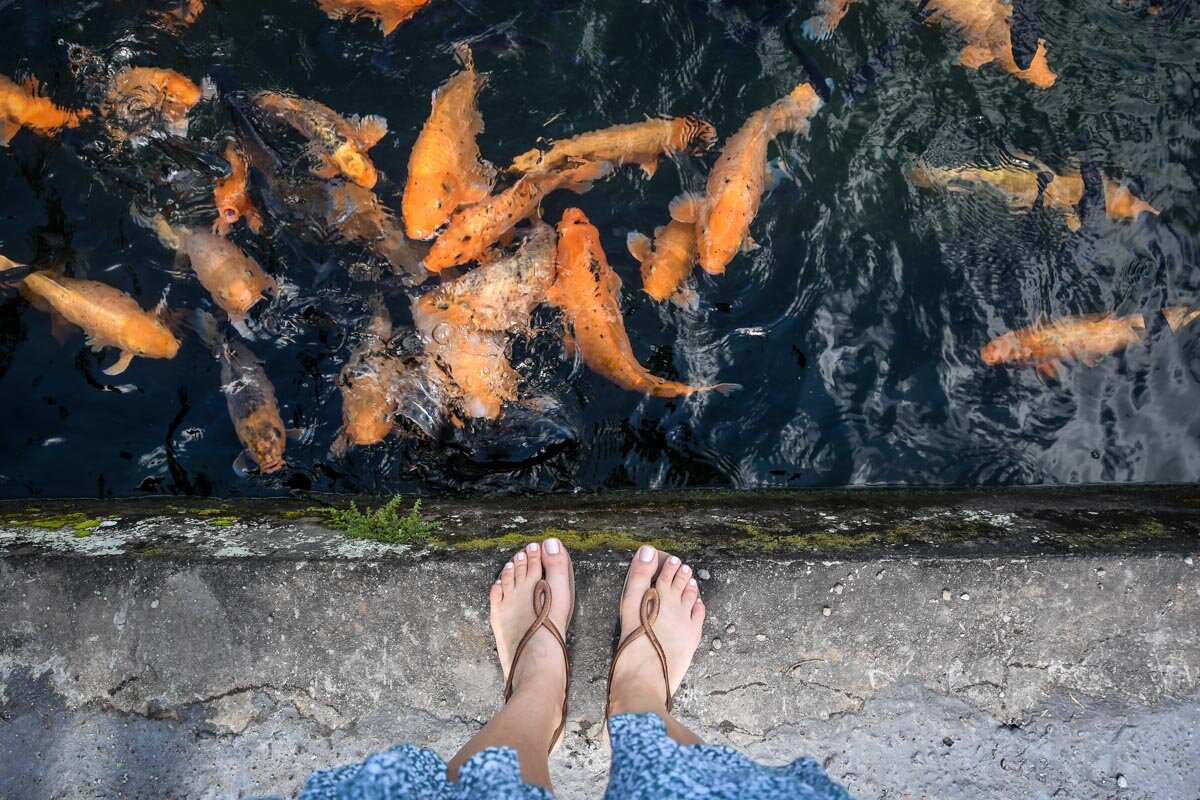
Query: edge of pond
point(821, 524)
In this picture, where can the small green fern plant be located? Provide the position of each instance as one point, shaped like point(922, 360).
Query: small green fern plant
point(384, 524)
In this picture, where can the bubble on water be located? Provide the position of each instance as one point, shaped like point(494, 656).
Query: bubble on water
point(441, 333)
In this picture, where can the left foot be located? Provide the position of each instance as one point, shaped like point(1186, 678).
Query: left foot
point(541, 672)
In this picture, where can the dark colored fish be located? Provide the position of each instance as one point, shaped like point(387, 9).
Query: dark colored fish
point(1026, 30)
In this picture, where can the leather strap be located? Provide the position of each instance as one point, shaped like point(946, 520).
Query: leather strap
point(542, 601)
point(647, 614)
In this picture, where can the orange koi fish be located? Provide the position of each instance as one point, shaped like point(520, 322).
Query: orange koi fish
point(463, 322)
point(23, 105)
point(500, 295)
point(233, 279)
point(139, 97)
point(368, 387)
point(108, 316)
point(588, 292)
point(640, 143)
point(987, 27)
point(474, 229)
point(340, 144)
point(667, 263)
point(358, 216)
point(445, 169)
point(250, 398)
point(389, 13)
point(232, 198)
point(737, 180)
point(1086, 338)
point(1017, 184)
point(828, 15)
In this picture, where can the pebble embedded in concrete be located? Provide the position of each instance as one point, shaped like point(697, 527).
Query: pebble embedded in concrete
point(964, 596)
point(838, 588)
point(1100, 572)
point(703, 574)
point(879, 575)
point(945, 594)
point(717, 644)
point(731, 629)
point(1121, 781)
point(760, 637)
point(827, 611)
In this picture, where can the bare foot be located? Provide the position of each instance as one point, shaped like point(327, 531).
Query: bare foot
point(637, 682)
point(541, 674)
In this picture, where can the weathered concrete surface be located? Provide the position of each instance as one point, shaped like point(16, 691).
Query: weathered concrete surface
point(144, 660)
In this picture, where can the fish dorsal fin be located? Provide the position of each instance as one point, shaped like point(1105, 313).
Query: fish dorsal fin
point(639, 246)
point(33, 86)
point(685, 207)
point(658, 232)
point(369, 130)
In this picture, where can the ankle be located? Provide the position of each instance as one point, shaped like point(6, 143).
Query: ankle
point(637, 696)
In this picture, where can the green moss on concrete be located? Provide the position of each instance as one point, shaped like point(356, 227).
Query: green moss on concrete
point(311, 511)
point(81, 523)
point(224, 522)
point(210, 512)
point(1140, 531)
point(572, 539)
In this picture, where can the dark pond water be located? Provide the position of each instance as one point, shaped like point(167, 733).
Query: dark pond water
point(855, 330)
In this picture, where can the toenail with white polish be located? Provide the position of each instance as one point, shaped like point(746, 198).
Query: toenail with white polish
point(692, 582)
point(686, 569)
point(674, 559)
point(520, 556)
point(552, 546)
point(509, 565)
point(533, 547)
point(646, 553)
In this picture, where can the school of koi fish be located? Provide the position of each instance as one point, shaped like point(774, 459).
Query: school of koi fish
point(467, 240)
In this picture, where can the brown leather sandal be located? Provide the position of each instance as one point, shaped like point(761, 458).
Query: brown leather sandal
point(647, 614)
point(542, 600)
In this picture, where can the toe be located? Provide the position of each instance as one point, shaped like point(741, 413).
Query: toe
point(556, 563)
point(522, 565)
point(691, 592)
point(666, 577)
point(680, 584)
point(641, 573)
point(496, 594)
point(533, 555)
point(508, 578)
point(698, 613)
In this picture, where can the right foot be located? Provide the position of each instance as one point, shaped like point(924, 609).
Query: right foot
point(637, 682)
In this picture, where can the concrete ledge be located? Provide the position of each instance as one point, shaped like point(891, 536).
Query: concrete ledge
point(173, 666)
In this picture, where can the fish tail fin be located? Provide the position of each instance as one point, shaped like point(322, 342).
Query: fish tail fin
point(698, 135)
point(171, 238)
point(340, 446)
point(464, 56)
point(917, 172)
point(639, 246)
point(7, 265)
point(528, 161)
point(686, 207)
point(724, 388)
point(370, 129)
point(579, 180)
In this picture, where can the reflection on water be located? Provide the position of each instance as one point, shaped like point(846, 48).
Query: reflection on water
point(891, 254)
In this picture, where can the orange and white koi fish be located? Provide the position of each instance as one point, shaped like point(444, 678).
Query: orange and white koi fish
point(368, 387)
point(589, 294)
point(141, 97)
point(445, 169)
point(987, 27)
point(23, 105)
point(640, 143)
point(464, 321)
point(828, 15)
point(340, 144)
point(1086, 338)
point(389, 13)
point(235, 281)
point(107, 316)
point(1017, 184)
point(667, 262)
point(474, 229)
point(500, 295)
point(232, 198)
point(737, 180)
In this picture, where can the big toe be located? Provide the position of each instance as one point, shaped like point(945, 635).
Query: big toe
point(642, 570)
point(556, 565)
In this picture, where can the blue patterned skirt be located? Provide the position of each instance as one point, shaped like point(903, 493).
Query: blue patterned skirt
point(646, 765)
